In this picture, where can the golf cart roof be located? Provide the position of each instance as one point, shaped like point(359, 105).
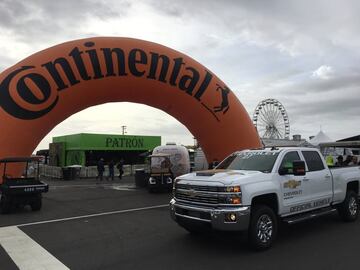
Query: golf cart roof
point(348, 144)
point(20, 159)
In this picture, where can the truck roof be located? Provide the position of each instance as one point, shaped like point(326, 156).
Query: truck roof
point(160, 155)
point(278, 149)
point(20, 159)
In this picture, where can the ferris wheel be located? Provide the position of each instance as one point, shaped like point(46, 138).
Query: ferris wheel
point(271, 120)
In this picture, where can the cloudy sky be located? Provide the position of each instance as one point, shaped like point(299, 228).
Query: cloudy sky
point(306, 54)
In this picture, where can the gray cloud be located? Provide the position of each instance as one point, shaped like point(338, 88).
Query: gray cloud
point(260, 49)
point(41, 20)
point(293, 27)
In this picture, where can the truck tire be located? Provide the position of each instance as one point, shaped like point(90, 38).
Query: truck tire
point(36, 203)
point(263, 227)
point(349, 208)
point(5, 204)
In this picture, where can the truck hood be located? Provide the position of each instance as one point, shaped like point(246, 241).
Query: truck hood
point(222, 177)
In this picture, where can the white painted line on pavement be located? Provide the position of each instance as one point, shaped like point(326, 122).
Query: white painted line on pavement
point(26, 253)
point(91, 186)
point(95, 215)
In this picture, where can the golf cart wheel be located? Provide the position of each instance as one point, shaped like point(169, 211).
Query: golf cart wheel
point(5, 204)
point(36, 203)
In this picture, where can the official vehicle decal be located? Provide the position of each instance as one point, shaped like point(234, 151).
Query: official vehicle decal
point(292, 184)
point(291, 194)
point(305, 206)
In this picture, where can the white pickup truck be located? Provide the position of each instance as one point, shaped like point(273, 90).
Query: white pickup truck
point(255, 189)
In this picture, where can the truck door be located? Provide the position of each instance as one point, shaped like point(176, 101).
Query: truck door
point(318, 177)
point(294, 189)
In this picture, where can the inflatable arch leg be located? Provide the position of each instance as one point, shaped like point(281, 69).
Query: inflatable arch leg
point(44, 89)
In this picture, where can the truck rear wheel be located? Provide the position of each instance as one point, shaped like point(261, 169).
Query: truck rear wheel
point(36, 203)
point(349, 209)
point(5, 204)
point(263, 227)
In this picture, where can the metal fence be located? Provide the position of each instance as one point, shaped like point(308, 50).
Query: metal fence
point(50, 171)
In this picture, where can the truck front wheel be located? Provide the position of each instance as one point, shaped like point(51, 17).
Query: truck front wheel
point(349, 209)
point(263, 227)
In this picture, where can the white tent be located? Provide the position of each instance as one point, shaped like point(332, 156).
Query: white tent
point(321, 137)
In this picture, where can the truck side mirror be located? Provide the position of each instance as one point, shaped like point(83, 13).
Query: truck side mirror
point(299, 167)
point(283, 171)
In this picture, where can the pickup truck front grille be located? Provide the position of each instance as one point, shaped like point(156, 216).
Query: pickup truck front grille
point(199, 194)
point(198, 188)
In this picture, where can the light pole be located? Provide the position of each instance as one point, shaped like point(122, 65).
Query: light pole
point(123, 130)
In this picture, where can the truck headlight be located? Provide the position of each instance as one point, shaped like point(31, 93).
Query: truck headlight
point(175, 181)
point(233, 189)
point(174, 186)
point(152, 181)
point(231, 195)
point(234, 199)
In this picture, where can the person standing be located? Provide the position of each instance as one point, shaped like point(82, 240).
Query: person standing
point(100, 169)
point(348, 160)
point(354, 161)
point(111, 170)
point(120, 167)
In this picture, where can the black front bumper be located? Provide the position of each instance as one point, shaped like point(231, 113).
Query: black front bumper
point(24, 189)
point(165, 181)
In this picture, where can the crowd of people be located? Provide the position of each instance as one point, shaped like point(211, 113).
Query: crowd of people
point(111, 166)
point(349, 161)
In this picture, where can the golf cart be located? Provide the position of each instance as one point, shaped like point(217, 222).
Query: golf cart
point(166, 163)
point(18, 189)
point(160, 172)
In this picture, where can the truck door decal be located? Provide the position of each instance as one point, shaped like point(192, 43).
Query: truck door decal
point(291, 189)
point(309, 205)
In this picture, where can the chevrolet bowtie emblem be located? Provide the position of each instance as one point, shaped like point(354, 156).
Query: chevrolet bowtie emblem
point(192, 193)
point(292, 184)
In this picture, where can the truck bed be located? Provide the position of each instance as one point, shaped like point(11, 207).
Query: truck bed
point(340, 175)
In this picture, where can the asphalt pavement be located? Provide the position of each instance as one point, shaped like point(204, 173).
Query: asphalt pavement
point(87, 224)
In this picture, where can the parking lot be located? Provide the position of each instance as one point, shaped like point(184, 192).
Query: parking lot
point(114, 225)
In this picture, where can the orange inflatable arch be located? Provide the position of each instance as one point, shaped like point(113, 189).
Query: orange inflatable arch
point(44, 89)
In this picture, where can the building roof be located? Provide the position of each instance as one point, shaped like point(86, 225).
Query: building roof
point(353, 138)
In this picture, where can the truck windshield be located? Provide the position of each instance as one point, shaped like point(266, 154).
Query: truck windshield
point(262, 161)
